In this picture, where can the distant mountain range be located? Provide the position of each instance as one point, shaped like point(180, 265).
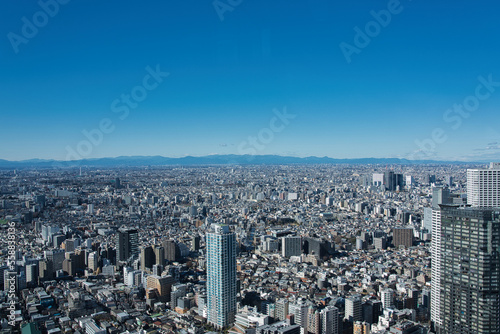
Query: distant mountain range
point(230, 159)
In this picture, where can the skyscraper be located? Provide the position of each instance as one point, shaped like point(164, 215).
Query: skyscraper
point(483, 186)
point(147, 258)
point(221, 276)
point(470, 271)
point(392, 181)
point(291, 246)
point(127, 244)
point(436, 267)
point(440, 196)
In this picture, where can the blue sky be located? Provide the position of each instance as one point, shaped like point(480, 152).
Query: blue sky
point(228, 77)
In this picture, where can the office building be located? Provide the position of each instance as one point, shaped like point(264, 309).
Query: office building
point(353, 309)
point(388, 180)
point(387, 298)
point(127, 245)
point(159, 255)
point(48, 232)
point(470, 271)
point(371, 310)
point(448, 179)
point(440, 195)
point(172, 250)
point(483, 186)
point(221, 276)
point(393, 181)
point(299, 311)
point(317, 247)
point(378, 179)
point(70, 264)
point(195, 243)
point(46, 270)
point(178, 291)
point(70, 245)
point(147, 258)
point(93, 261)
point(329, 320)
point(32, 274)
point(427, 221)
point(402, 237)
point(291, 246)
point(58, 239)
point(281, 309)
point(56, 256)
point(380, 243)
point(313, 320)
point(162, 285)
point(92, 328)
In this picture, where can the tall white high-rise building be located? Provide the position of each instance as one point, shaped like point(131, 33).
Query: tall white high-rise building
point(32, 273)
point(221, 276)
point(330, 320)
point(93, 261)
point(299, 310)
point(281, 309)
point(387, 297)
point(436, 266)
point(353, 309)
point(440, 196)
point(483, 186)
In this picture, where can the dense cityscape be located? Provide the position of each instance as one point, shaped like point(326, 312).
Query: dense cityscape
point(250, 167)
point(249, 249)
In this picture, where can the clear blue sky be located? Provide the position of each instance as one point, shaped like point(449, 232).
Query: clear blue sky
point(227, 76)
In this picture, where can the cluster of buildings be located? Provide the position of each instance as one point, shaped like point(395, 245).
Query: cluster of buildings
point(252, 249)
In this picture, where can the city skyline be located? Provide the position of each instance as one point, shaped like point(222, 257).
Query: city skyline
point(320, 248)
point(390, 79)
